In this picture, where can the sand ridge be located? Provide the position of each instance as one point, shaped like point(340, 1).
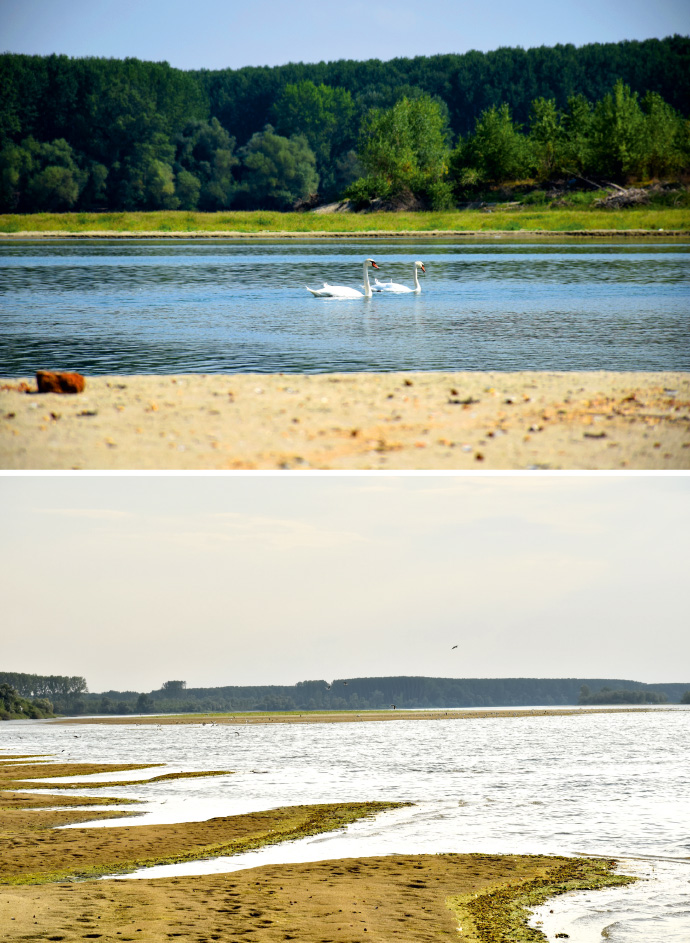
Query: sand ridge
point(369, 421)
point(410, 898)
point(348, 717)
point(397, 897)
point(34, 851)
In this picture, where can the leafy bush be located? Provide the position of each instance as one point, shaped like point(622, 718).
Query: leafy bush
point(404, 149)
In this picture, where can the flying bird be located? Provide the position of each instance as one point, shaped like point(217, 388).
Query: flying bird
point(454, 646)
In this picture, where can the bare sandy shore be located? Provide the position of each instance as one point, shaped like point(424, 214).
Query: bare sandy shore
point(377, 899)
point(349, 717)
point(406, 898)
point(423, 421)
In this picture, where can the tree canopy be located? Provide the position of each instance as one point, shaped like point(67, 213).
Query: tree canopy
point(108, 134)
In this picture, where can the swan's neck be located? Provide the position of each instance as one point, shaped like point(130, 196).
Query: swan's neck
point(367, 286)
point(417, 286)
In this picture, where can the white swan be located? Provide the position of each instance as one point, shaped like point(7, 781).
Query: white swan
point(340, 291)
point(396, 287)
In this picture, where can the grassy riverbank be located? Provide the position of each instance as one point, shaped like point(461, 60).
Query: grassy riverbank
point(47, 894)
point(503, 218)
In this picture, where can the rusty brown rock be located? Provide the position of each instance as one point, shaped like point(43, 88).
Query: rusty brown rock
point(50, 382)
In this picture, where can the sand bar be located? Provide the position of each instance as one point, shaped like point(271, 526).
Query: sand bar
point(420, 898)
point(350, 717)
point(370, 421)
point(396, 897)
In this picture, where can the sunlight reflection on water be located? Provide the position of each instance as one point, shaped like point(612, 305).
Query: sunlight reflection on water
point(597, 784)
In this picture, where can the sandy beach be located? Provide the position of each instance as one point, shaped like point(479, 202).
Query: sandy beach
point(370, 421)
point(420, 898)
point(396, 897)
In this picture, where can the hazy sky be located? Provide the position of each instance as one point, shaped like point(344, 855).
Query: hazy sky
point(228, 33)
point(131, 581)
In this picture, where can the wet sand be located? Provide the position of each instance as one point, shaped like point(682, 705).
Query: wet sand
point(397, 897)
point(420, 898)
point(34, 851)
point(372, 421)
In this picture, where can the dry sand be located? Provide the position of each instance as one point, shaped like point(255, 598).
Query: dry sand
point(461, 421)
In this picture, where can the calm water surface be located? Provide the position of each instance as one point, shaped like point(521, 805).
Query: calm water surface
point(597, 784)
point(191, 307)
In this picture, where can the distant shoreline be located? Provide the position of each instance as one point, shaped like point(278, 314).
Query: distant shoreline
point(49, 235)
point(344, 717)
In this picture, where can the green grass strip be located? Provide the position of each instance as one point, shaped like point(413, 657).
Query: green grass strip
point(516, 219)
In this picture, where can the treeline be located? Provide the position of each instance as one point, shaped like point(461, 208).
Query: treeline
point(52, 686)
point(15, 707)
point(621, 696)
point(70, 694)
point(365, 694)
point(105, 134)
point(59, 693)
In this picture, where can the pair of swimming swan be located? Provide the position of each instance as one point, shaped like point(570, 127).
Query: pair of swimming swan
point(340, 291)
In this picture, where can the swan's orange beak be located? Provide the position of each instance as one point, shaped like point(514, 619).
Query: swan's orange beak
point(374, 265)
point(424, 270)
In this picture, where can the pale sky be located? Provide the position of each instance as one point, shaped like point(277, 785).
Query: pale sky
point(218, 34)
point(132, 581)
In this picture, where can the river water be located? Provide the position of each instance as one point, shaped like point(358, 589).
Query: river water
point(594, 784)
point(222, 307)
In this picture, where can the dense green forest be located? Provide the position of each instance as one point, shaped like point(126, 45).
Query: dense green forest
point(105, 134)
point(70, 695)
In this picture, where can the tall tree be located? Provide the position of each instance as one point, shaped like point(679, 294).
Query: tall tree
point(664, 136)
point(405, 148)
point(496, 151)
point(546, 137)
point(618, 133)
point(277, 171)
point(204, 165)
point(325, 116)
